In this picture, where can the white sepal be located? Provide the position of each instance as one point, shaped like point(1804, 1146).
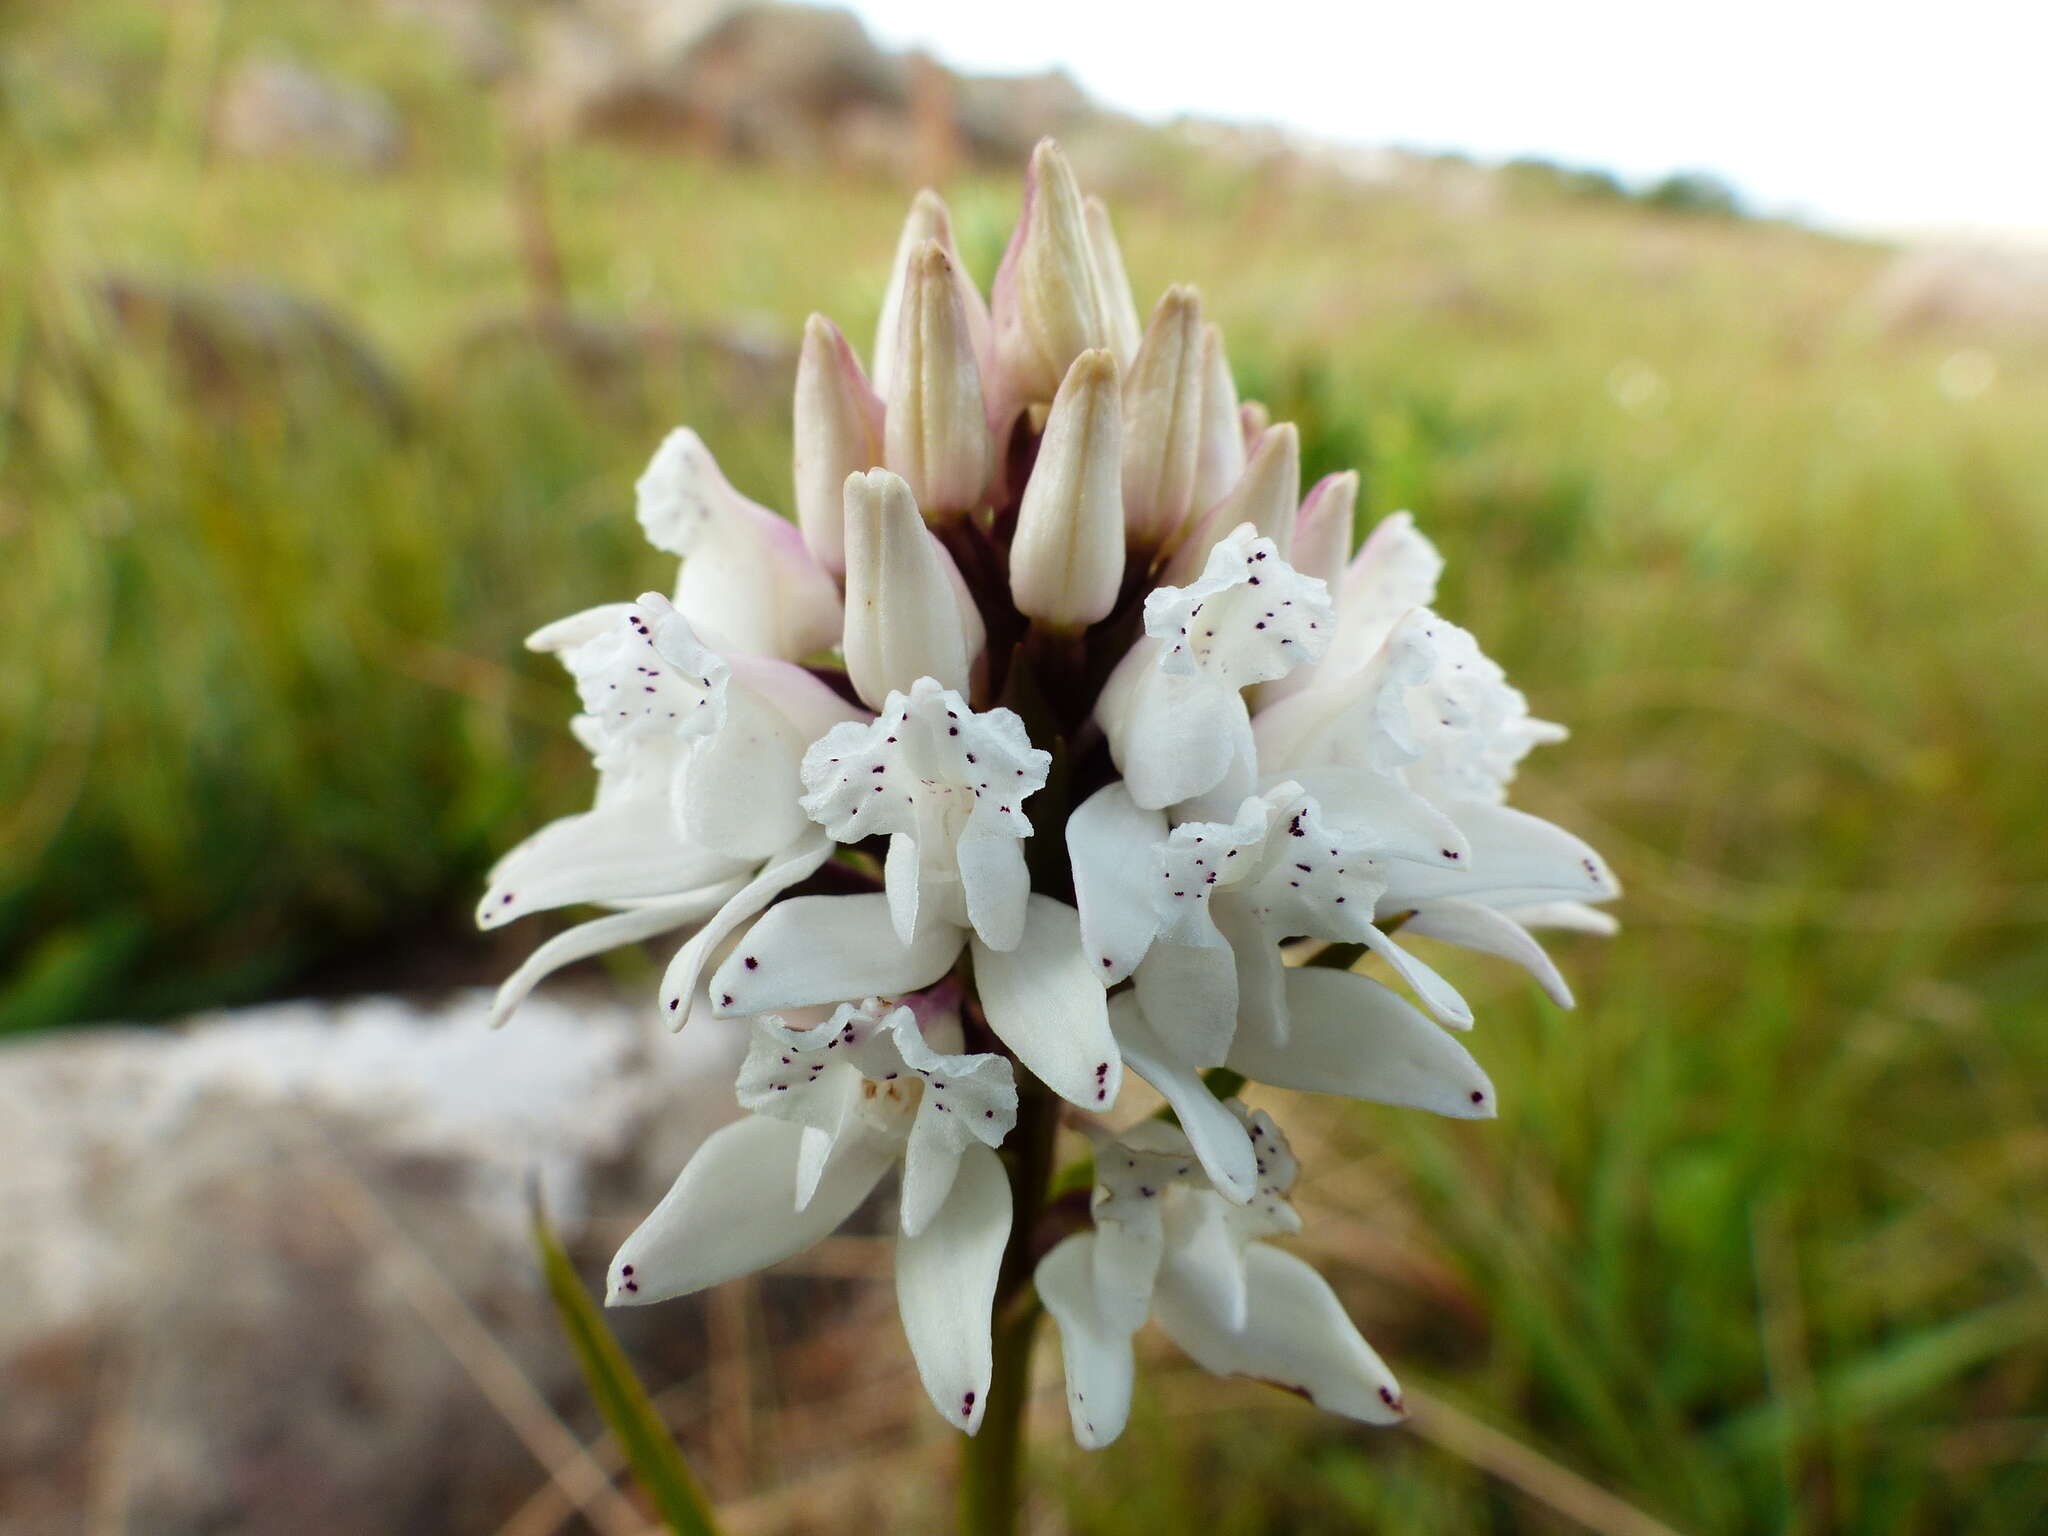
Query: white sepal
point(1043, 1000)
point(600, 934)
point(1472, 926)
point(828, 949)
point(733, 1210)
point(1295, 1335)
point(1216, 1136)
point(749, 582)
point(1095, 1351)
point(1349, 1035)
point(679, 982)
point(946, 1288)
point(1111, 843)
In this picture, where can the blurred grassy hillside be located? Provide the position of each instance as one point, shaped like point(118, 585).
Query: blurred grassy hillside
point(1758, 1241)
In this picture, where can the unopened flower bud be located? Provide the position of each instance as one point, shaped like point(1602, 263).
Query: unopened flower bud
point(1322, 528)
point(1264, 496)
point(928, 220)
point(908, 614)
point(838, 432)
point(1119, 307)
point(935, 431)
point(1219, 460)
point(1163, 421)
point(1254, 418)
point(1067, 559)
point(1048, 302)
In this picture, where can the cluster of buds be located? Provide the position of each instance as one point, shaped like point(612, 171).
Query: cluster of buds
point(1059, 737)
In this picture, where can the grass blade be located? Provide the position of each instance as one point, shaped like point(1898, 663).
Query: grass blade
point(656, 1461)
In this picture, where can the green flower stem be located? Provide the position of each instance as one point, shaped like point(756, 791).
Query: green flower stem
point(992, 1461)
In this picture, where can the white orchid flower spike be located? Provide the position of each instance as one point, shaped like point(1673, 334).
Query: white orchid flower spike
point(1056, 733)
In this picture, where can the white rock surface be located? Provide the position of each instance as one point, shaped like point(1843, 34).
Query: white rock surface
point(223, 1240)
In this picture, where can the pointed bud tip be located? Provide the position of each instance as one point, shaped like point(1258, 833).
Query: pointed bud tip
point(1097, 365)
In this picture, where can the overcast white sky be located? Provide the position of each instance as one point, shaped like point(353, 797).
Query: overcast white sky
point(1876, 114)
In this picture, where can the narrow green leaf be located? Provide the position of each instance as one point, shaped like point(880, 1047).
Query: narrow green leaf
point(627, 1410)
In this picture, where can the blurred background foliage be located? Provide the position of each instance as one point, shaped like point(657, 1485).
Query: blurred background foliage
point(291, 460)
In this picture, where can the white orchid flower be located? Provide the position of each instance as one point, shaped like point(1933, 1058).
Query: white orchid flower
point(686, 741)
point(833, 1108)
point(1431, 714)
point(947, 787)
point(1201, 1266)
point(1174, 709)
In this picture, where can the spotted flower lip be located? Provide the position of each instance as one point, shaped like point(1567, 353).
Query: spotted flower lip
point(1056, 736)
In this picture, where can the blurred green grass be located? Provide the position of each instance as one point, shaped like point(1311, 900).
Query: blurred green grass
point(1757, 1243)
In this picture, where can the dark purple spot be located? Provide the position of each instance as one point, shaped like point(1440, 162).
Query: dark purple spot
point(753, 964)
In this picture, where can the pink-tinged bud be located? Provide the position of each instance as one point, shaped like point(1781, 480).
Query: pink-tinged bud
point(1067, 558)
point(749, 582)
point(935, 432)
point(1322, 528)
point(1048, 303)
point(838, 432)
point(1220, 458)
point(1119, 305)
point(1254, 418)
point(908, 614)
point(1264, 496)
point(928, 220)
point(1163, 422)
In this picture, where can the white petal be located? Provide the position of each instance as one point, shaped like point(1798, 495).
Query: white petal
point(900, 883)
point(599, 935)
point(946, 1288)
point(1516, 859)
point(1349, 1035)
point(1094, 1351)
point(733, 1211)
point(748, 580)
point(1438, 995)
point(1261, 971)
point(1472, 926)
point(1377, 810)
point(738, 789)
point(828, 949)
point(967, 1099)
point(1110, 840)
point(1296, 1336)
point(1566, 917)
point(1206, 1251)
point(1189, 994)
point(624, 851)
point(1217, 1137)
point(995, 883)
point(679, 981)
point(1042, 998)
point(1173, 736)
